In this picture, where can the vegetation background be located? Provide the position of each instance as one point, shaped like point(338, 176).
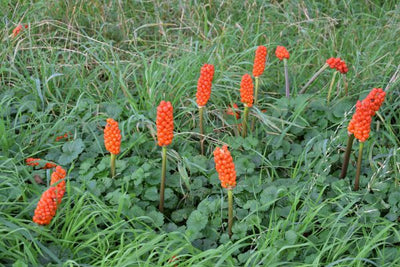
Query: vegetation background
point(80, 62)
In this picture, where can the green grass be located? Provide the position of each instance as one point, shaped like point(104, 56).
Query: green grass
point(78, 64)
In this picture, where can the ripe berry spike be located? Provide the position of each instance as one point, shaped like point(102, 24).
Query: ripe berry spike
point(203, 95)
point(246, 95)
point(258, 69)
point(165, 134)
point(227, 175)
point(112, 141)
point(360, 126)
point(282, 54)
point(51, 198)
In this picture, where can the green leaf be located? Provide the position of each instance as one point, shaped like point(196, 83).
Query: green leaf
point(151, 194)
point(197, 221)
point(71, 151)
point(291, 237)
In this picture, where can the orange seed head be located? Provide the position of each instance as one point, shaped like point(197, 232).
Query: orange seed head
point(165, 123)
point(112, 137)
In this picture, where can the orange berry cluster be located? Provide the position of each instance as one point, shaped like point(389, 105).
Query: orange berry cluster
point(58, 138)
point(51, 198)
point(18, 29)
point(246, 90)
point(35, 162)
point(204, 84)
point(232, 112)
point(360, 124)
point(338, 64)
point(165, 123)
point(112, 137)
point(281, 52)
point(225, 167)
point(259, 61)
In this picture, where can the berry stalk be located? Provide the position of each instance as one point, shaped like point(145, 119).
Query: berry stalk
point(245, 119)
point(230, 212)
point(313, 78)
point(113, 158)
point(358, 172)
point(201, 115)
point(163, 171)
point(287, 86)
point(347, 156)
point(257, 83)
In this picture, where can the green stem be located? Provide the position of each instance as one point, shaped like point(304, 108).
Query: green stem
point(201, 114)
point(113, 157)
point(346, 85)
point(313, 78)
point(357, 181)
point(163, 171)
point(347, 156)
point(257, 82)
point(244, 122)
point(330, 87)
point(286, 78)
point(230, 212)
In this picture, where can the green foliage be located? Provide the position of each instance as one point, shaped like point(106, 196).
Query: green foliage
point(77, 64)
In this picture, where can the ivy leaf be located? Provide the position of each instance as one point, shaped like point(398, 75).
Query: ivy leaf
point(71, 151)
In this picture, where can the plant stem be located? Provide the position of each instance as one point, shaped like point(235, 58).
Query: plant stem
point(347, 155)
point(286, 78)
point(357, 181)
point(163, 171)
point(113, 157)
point(230, 212)
point(330, 87)
point(244, 122)
point(257, 82)
point(313, 78)
point(346, 85)
point(201, 114)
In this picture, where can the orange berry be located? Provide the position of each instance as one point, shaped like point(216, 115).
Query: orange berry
point(281, 52)
point(204, 84)
point(338, 64)
point(246, 90)
point(35, 162)
point(47, 206)
point(225, 167)
point(112, 137)
point(165, 123)
point(259, 61)
point(230, 111)
point(360, 124)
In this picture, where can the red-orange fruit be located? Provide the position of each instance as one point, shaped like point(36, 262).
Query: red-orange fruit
point(246, 90)
point(112, 137)
point(225, 167)
point(360, 124)
point(47, 206)
point(259, 61)
point(232, 111)
point(281, 52)
point(338, 64)
point(35, 162)
point(165, 123)
point(204, 84)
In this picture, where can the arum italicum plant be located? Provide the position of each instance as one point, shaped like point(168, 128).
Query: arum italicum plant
point(51, 198)
point(112, 141)
point(203, 95)
point(360, 127)
point(165, 134)
point(258, 69)
point(227, 175)
point(246, 96)
point(282, 54)
point(333, 63)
